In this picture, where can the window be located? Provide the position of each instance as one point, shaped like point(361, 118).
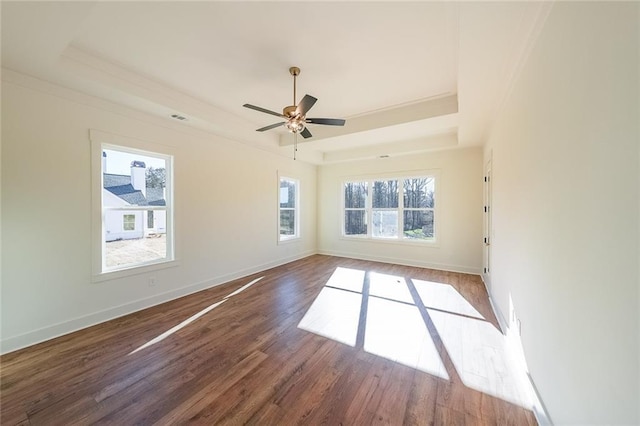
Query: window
point(289, 211)
point(418, 208)
point(129, 222)
point(355, 213)
point(384, 203)
point(398, 209)
point(135, 202)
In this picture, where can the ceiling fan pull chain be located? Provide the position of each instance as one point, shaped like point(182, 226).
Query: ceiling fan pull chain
point(295, 145)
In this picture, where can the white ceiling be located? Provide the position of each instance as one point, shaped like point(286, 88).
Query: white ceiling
point(408, 77)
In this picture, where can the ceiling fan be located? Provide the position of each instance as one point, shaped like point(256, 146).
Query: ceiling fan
point(296, 116)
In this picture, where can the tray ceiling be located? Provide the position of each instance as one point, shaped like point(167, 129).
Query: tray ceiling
point(406, 76)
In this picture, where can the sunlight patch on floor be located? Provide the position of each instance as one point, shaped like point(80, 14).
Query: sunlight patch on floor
point(172, 330)
point(347, 279)
point(194, 317)
point(390, 287)
point(444, 298)
point(334, 314)
point(396, 331)
point(479, 353)
point(243, 288)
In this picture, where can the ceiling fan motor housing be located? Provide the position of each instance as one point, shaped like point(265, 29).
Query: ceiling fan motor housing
point(290, 111)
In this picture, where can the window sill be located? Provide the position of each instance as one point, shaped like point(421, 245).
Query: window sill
point(404, 242)
point(289, 240)
point(133, 270)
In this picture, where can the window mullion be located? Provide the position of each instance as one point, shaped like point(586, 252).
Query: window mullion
point(369, 204)
point(400, 233)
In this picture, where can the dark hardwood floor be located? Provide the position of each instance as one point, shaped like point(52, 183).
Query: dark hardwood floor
point(377, 344)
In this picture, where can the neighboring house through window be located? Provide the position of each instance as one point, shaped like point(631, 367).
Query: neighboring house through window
point(136, 208)
point(288, 199)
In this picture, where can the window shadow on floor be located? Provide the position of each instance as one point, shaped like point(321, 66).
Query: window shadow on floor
point(428, 326)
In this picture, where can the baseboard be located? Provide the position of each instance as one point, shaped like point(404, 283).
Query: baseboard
point(539, 410)
point(405, 262)
point(60, 329)
point(496, 311)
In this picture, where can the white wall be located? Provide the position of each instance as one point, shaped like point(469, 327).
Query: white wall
point(225, 212)
point(458, 214)
point(565, 154)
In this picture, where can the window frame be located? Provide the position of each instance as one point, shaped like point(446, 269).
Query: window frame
point(367, 222)
point(296, 209)
point(100, 141)
point(419, 209)
point(128, 219)
point(382, 210)
point(400, 237)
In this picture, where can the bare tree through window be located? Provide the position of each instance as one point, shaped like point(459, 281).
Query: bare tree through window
point(395, 208)
point(355, 214)
point(418, 208)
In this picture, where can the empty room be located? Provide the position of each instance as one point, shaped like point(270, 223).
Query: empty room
point(341, 213)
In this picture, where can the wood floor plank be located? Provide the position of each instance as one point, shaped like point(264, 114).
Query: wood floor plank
point(359, 410)
point(421, 405)
point(448, 416)
point(395, 396)
point(246, 361)
point(213, 391)
point(333, 411)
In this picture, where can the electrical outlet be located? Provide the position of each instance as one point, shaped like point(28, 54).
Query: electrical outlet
point(152, 282)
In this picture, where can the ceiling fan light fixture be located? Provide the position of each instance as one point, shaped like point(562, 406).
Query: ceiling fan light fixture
point(295, 125)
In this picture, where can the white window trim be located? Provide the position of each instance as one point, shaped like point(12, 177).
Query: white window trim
point(435, 242)
point(103, 140)
point(297, 237)
point(343, 209)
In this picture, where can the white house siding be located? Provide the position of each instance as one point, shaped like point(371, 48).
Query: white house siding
point(114, 219)
point(159, 222)
point(114, 225)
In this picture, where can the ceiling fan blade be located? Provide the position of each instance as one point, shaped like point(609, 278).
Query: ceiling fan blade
point(326, 121)
point(305, 105)
point(266, 111)
point(269, 127)
point(306, 133)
